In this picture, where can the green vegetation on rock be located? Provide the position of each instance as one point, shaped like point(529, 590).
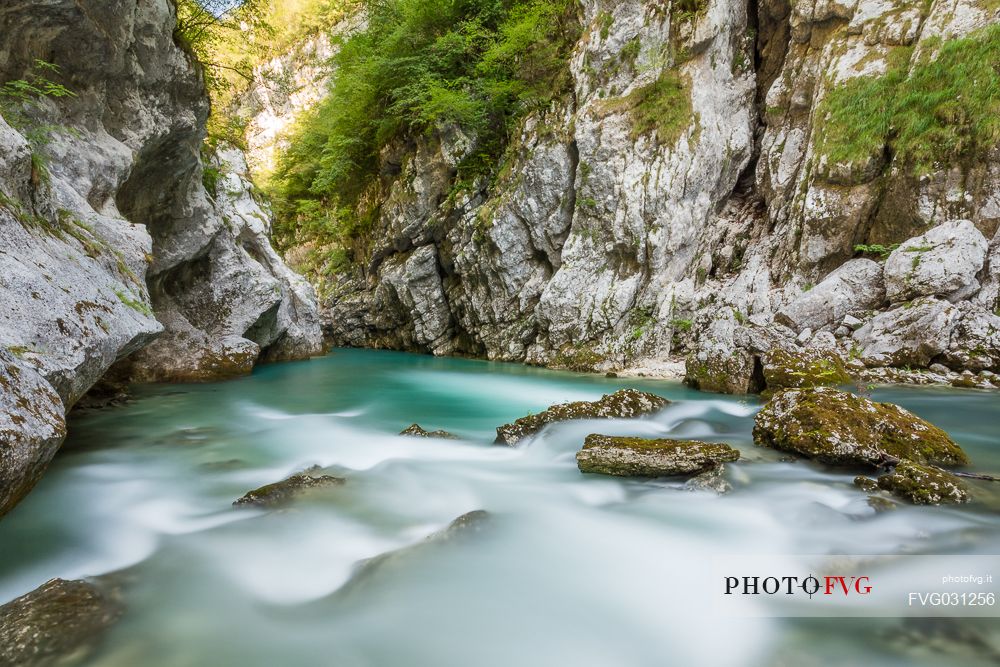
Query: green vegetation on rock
point(945, 107)
point(641, 457)
point(419, 66)
point(924, 485)
point(662, 108)
point(839, 428)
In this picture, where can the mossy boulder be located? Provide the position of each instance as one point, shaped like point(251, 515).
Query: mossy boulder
point(622, 404)
point(58, 623)
point(924, 485)
point(415, 431)
point(839, 428)
point(803, 368)
point(283, 492)
point(640, 457)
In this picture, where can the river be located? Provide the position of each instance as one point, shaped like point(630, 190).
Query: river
point(569, 569)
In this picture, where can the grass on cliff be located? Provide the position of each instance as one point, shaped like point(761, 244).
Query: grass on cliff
point(662, 108)
point(938, 110)
point(419, 65)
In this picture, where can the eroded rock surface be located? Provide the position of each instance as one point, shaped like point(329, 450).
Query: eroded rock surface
point(622, 404)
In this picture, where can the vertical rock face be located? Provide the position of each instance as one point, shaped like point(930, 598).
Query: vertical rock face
point(606, 241)
point(108, 238)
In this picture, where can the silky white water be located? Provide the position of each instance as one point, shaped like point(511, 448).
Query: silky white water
point(569, 570)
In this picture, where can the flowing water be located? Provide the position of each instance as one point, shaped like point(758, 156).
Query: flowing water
point(568, 570)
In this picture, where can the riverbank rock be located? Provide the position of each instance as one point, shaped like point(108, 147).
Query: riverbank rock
point(912, 334)
point(623, 404)
point(852, 289)
point(839, 428)
point(56, 624)
point(924, 485)
point(639, 457)
point(32, 426)
point(942, 262)
point(283, 492)
point(415, 431)
point(803, 368)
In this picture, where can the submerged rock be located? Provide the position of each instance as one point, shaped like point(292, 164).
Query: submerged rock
point(460, 528)
point(415, 430)
point(283, 492)
point(639, 457)
point(924, 485)
point(839, 428)
point(622, 404)
point(713, 480)
point(59, 622)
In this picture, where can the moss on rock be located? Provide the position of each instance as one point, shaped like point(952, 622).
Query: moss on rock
point(622, 404)
point(803, 368)
point(283, 492)
point(639, 457)
point(839, 428)
point(924, 485)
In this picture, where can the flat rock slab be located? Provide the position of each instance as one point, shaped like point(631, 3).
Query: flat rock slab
point(58, 622)
point(622, 404)
point(416, 431)
point(283, 492)
point(839, 428)
point(639, 457)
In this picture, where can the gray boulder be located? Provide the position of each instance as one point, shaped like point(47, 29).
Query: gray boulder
point(943, 262)
point(282, 493)
point(975, 344)
point(909, 335)
point(853, 288)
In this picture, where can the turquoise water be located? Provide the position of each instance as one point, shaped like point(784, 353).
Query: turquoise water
point(570, 570)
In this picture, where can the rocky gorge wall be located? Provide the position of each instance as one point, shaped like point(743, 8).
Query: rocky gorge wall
point(749, 221)
point(113, 253)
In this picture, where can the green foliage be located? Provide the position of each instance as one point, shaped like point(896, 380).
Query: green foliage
point(682, 324)
point(876, 249)
point(940, 109)
point(20, 99)
point(210, 179)
point(419, 65)
point(662, 108)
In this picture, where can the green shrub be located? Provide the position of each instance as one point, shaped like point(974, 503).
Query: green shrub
point(419, 64)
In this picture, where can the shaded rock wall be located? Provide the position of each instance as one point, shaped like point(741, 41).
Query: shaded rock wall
point(108, 238)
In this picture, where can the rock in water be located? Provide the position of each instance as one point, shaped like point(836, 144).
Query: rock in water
point(416, 431)
point(713, 480)
point(839, 428)
point(924, 485)
point(283, 492)
point(639, 457)
point(55, 623)
point(622, 404)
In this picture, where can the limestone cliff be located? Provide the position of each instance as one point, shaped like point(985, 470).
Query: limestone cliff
point(111, 248)
point(755, 222)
